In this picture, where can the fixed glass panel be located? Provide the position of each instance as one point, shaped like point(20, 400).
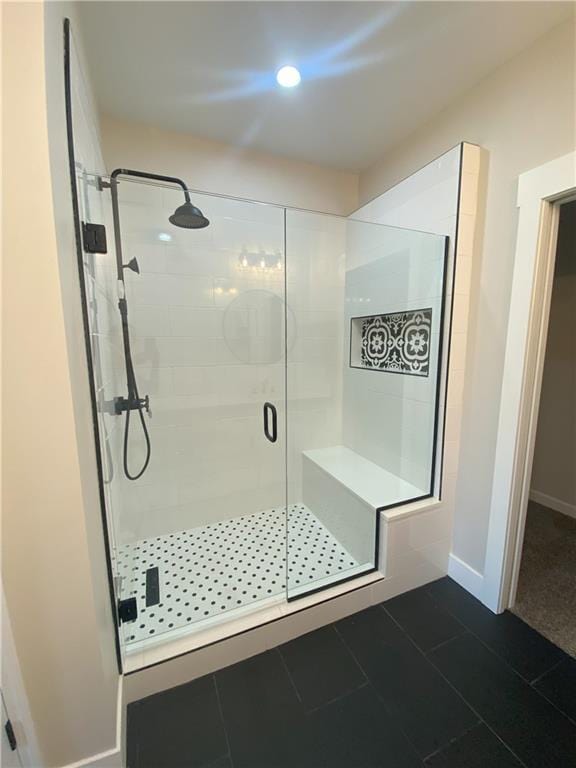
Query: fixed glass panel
point(366, 302)
point(105, 338)
point(202, 531)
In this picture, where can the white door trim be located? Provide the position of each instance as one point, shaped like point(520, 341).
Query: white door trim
point(539, 191)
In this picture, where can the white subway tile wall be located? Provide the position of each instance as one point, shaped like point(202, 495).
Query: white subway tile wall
point(208, 345)
point(427, 201)
point(388, 417)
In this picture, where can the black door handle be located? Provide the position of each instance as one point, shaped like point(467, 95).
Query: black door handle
point(271, 409)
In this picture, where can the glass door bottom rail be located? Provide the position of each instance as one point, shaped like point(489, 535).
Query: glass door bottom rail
point(209, 571)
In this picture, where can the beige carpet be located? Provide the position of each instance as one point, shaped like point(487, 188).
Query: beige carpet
point(546, 596)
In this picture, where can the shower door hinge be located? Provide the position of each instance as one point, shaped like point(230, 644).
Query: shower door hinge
point(94, 238)
point(127, 610)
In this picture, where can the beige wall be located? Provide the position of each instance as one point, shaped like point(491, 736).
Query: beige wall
point(523, 115)
point(53, 567)
point(215, 167)
point(554, 469)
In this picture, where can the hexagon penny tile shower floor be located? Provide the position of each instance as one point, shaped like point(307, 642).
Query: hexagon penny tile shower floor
point(207, 571)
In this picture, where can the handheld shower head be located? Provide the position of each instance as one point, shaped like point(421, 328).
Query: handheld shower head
point(188, 216)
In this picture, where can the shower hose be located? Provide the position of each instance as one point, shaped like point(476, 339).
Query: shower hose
point(133, 401)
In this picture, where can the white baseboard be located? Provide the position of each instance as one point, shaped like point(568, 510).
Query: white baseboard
point(111, 758)
point(552, 503)
point(466, 576)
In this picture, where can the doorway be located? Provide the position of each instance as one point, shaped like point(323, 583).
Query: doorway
point(546, 589)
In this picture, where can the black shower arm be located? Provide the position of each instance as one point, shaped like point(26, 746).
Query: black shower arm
point(153, 176)
point(116, 209)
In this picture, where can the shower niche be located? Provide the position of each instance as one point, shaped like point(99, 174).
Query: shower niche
point(398, 342)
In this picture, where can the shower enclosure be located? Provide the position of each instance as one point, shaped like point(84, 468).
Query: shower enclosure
point(291, 362)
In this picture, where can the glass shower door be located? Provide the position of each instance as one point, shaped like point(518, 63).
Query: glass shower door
point(206, 316)
point(362, 387)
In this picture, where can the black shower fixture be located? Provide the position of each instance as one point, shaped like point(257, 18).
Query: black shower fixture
point(133, 265)
point(187, 216)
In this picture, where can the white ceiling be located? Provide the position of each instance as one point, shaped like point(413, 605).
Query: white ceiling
point(372, 72)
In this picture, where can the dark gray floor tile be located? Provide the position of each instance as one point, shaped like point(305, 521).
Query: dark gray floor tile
point(559, 686)
point(419, 700)
point(321, 667)
point(427, 623)
point(179, 727)
point(222, 762)
point(534, 730)
point(132, 735)
point(357, 732)
point(478, 748)
point(509, 637)
point(264, 719)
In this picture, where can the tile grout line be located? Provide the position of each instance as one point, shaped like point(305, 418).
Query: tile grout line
point(393, 720)
point(560, 711)
point(221, 711)
point(543, 695)
point(285, 665)
point(485, 644)
point(453, 741)
point(530, 683)
point(342, 696)
point(353, 657)
point(346, 648)
point(539, 677)
point(465, 631)
point(336, 698)
point(456, 691)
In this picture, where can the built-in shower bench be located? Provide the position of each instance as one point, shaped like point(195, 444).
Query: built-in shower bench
point(345, 491)
point(370, 483)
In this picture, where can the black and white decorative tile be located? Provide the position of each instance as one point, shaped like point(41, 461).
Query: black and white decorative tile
point(205, 572)
point(396, 343)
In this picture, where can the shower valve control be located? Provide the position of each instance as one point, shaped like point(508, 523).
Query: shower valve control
point(122, 404)
point(94, 238)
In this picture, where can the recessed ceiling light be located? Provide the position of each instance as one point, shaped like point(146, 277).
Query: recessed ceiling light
point(288, 76)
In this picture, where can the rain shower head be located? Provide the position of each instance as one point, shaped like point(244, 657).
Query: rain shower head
point(188, 216)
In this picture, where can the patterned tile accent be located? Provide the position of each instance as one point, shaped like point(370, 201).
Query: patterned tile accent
point(207, 571)
point(398, 342)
